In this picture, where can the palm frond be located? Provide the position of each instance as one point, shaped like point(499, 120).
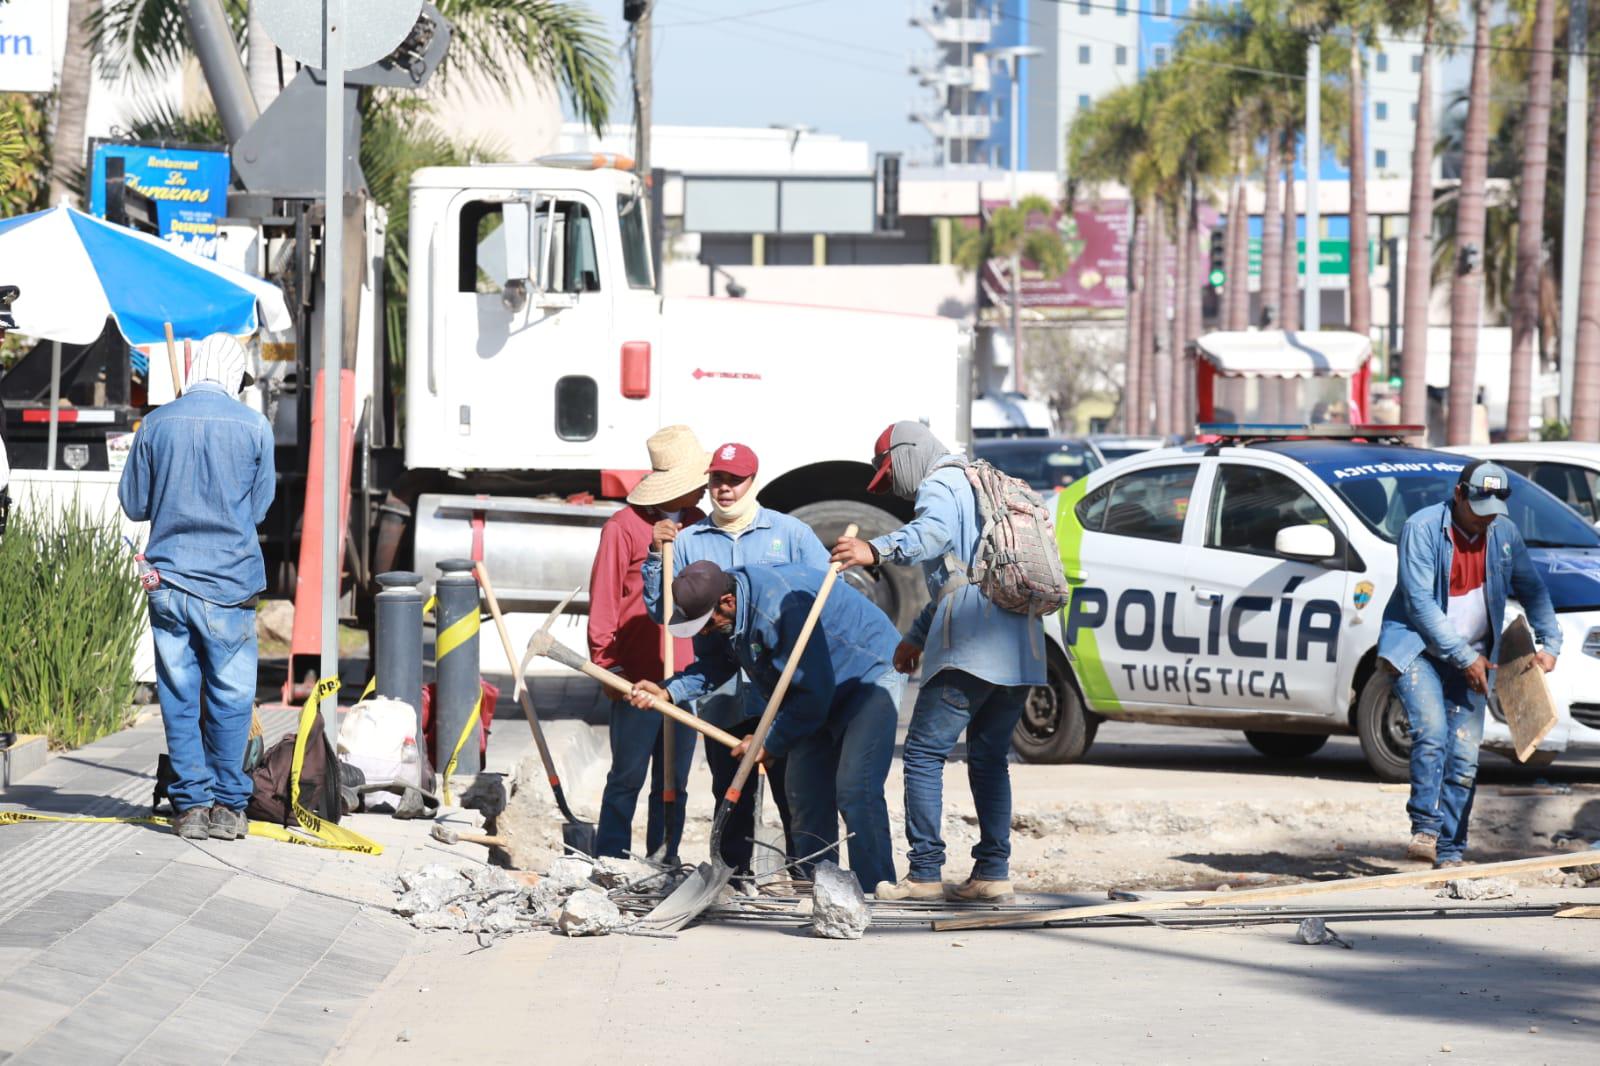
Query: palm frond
point(147, 38)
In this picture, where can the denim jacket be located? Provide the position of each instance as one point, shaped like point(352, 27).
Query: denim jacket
point(1415, 620)
point(850, 648)
point(201, 473)
point(961, 630)
point(771, 538)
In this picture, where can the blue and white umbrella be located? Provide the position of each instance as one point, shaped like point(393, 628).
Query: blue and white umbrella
point(75, 269)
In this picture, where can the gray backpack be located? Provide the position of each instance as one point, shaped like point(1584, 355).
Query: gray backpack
point(1018, 565)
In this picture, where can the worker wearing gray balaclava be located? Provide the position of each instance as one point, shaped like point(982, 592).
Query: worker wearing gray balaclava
point(978, 663)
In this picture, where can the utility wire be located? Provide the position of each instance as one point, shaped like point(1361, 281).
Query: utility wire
point(739, 16)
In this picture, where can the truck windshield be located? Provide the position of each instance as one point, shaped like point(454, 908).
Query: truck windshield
point(635, 241)
point(1385, 501)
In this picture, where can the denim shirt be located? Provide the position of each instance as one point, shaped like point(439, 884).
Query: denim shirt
point(201, 473)
point(962, 630)
point(851, 647)
point(1415, 620)
point(771, 538)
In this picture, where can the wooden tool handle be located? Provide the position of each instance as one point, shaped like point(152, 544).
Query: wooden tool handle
point(771, 711)
point(671, 710)
point(669, 739)
point(519, 688)
point(172, 362)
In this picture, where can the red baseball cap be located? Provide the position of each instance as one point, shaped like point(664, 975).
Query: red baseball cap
point(880, 461)
point(735, 459)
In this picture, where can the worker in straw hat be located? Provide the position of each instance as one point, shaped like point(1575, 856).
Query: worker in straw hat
point(624, 640)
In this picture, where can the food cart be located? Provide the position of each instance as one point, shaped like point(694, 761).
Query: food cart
point(1275, 376)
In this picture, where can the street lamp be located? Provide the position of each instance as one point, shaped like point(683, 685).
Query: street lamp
point(1012, 57)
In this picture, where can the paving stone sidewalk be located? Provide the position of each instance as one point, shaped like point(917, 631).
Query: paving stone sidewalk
point(125, 944)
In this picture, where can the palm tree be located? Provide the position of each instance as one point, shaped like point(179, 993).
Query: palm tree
point(1466, 288)
point(1289, 278)
point(24, 155)
point(1419, 241)
point(1530, 221)
point(1586, 364)
point(1271, 232)
point(72, 101)
point(1156, 372)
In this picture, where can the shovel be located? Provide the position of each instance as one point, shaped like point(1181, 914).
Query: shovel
point(701, 888)
point(669, 746)
point(575, 834)
point(769, 856)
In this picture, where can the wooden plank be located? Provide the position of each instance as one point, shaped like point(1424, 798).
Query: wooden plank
point(1409, 879)
point(1521, 690)
point(1578, 912)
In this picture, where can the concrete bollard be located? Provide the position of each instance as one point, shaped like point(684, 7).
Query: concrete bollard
point(456, 658)
point(397, 653)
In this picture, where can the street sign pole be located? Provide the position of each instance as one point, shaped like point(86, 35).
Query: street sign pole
point(332, 342)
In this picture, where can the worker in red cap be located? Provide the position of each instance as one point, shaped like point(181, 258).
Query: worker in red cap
point(739, 532)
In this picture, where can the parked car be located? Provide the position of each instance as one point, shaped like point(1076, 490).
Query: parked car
point(1241, 586)
point(1045, 463)
point(1114, 446)
point(1567, 469)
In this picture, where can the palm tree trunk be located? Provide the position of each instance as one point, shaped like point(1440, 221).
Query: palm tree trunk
point(1233, 270)
point(1466, 285)
point(1180, 312)
point(1271, 236)
point(1360, 268)
point(1154, 315)
point(72, 103)
point(261, 59)
point(1239, 294)
point(1530, 221)
point(1586, 367)
point(1289, 278)
point(1132, 420)
point(1201, 263)
point(1419, 247)
point(1161, 331)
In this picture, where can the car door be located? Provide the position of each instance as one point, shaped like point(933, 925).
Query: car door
point(1127, 576)
point(1576, 486)
point(1269, 625)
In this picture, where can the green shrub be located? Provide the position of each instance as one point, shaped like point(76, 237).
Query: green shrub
point(71, 611)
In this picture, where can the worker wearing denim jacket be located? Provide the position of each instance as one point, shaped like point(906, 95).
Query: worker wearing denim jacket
point(1458, 563)
point(978, 662)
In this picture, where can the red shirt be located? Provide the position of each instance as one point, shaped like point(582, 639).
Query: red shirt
point(1466, 562)
point(622, 637)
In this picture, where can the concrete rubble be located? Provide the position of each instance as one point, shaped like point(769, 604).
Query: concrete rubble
point(1316, 931)
point(839, 908)
point(1479, 888)
point(588, 912)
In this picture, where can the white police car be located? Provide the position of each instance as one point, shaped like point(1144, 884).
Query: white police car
point(1241, 585)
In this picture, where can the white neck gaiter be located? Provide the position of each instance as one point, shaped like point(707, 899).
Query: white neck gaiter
point(734, 519)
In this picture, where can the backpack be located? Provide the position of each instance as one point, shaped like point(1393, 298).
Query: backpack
point(319, 781)
point(1017, 566)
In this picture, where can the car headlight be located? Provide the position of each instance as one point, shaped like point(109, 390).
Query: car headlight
point(1591, 643)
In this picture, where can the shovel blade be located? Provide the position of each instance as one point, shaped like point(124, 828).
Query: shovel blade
point(767, 858)
point(579, 836)
point(697, 892)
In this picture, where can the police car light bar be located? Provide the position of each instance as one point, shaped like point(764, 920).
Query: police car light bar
point(1304, 431)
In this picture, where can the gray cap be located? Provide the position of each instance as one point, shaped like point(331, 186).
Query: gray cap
point(1487, 487)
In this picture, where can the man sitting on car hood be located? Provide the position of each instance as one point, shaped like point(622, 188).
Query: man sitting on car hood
point(1458, 561)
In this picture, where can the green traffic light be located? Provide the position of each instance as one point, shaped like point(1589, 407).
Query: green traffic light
point(1217, 277)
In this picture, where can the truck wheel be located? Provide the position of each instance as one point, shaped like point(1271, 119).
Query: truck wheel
point(898, 590)
point(1381, 724)
point(1054, 726)
point(1285, 745)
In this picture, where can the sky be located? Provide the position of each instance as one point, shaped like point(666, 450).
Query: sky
point(839, 66)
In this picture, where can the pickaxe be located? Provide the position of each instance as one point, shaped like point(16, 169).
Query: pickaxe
point(546, 645)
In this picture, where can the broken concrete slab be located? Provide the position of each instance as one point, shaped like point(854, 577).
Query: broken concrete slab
point(568, 874)
point(839, 907)
point(618, 873)
point(588, 913)
point(1480, 889)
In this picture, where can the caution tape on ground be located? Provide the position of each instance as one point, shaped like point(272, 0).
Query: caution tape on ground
point(322, 834)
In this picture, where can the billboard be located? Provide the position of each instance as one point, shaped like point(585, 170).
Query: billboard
point(1096, 238)
point(189, 187)
point(27, 61)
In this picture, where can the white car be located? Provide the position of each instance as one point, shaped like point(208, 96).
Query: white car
point(1567, 469)
point(1242, 586)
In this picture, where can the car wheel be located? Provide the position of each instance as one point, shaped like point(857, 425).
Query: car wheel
point(898, 590)
point(1286, 745)
point(1054, 727)
point(1381, 724)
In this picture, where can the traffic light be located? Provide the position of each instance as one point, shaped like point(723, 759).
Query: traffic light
point(1217, 276)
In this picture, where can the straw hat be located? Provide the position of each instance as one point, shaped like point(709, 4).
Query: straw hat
point(677, 467)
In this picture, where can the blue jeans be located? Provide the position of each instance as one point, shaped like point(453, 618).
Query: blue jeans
point(636, 751)
point(205, 647)
point(829, 776)
point(953, 700)
point(1446, 719)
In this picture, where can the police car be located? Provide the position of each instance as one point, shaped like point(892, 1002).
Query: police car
point(1241, 585)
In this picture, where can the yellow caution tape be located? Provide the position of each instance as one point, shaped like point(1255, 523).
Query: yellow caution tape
point(461, 742)
point(456, 634)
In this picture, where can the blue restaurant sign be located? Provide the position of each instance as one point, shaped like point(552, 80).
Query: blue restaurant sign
point(189, 187)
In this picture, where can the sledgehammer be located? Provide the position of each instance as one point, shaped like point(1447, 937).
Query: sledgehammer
point(548, 646)
point(449, 836)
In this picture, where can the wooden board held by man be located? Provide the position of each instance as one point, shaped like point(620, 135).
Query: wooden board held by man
point(1522, 691)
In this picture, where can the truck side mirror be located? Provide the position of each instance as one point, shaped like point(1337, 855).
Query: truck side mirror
point(516, 230)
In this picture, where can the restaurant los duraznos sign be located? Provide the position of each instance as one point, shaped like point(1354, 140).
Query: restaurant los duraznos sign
point(189, 187)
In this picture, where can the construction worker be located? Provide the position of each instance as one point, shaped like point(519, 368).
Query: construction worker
point(836, 724)
point(978, 663)
point(201, 473)
point(624, 639)
point(738, 532)
point(1459, 560)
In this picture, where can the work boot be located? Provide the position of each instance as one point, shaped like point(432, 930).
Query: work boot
point(973, 890)
point(1423, 848)
point(193, 824)
point(906, 888)
point(1449, 864)
point(228, 824)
